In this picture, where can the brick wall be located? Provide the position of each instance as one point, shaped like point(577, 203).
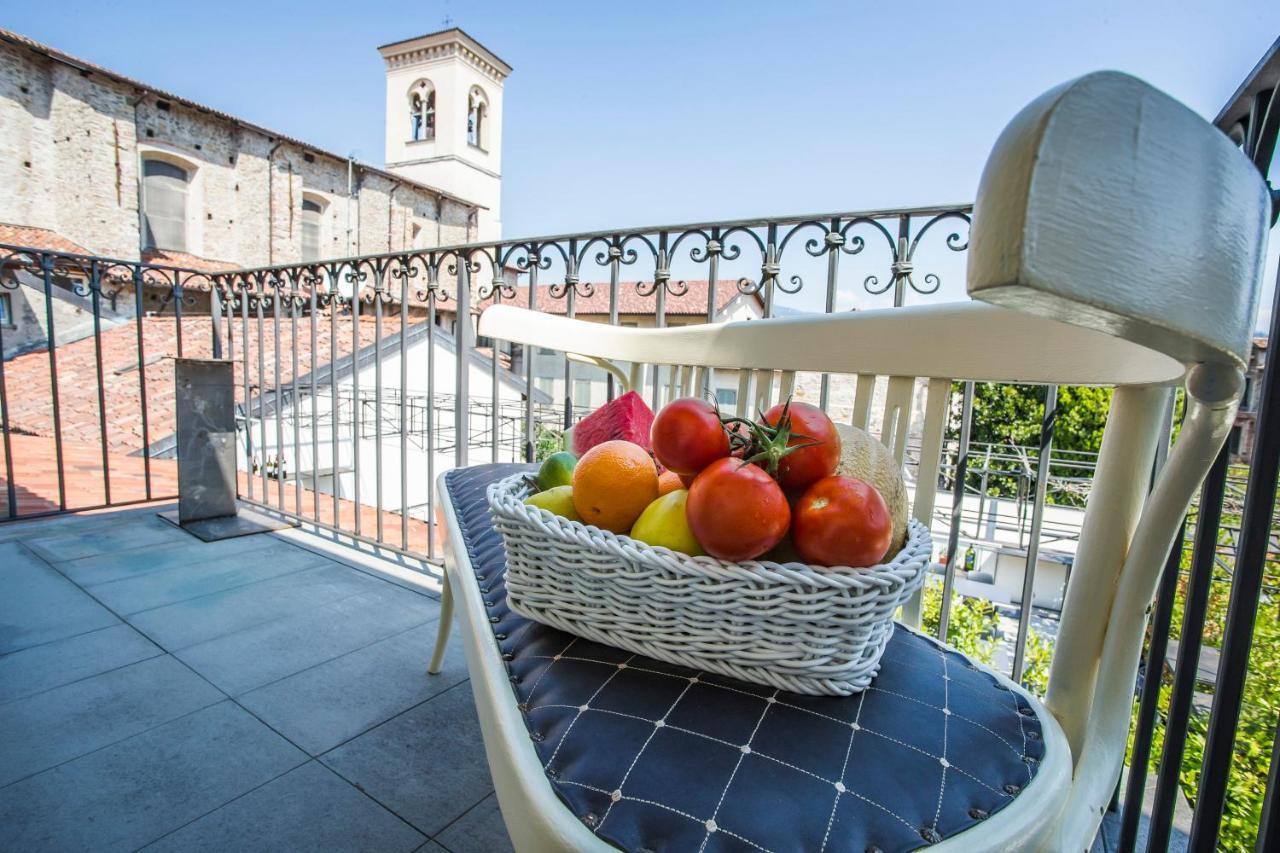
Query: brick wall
point(69, 162)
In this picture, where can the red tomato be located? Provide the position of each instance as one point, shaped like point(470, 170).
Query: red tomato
point(687, 435)
point(842, 521)
point(801, 468)
point(736, 511)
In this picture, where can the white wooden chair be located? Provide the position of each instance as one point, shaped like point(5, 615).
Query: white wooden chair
point(1117, 240)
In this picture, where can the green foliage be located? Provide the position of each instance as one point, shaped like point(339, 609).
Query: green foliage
point(1004, 413)
point(973, 627)
point(1011, 415)
point(1251, 753)
point(549, 441)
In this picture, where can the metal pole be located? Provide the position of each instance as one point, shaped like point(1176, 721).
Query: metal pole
point(530, 354)
point(1037, 521)
point(1208, 517)
point(378, 284)
point(1135, 786)
point(95, 292)
point(46, 266)
point(1242, 610)
point(833, 270)
point(957, 507)
point(462, 399)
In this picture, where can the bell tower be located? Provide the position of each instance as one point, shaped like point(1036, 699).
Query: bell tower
point(444, 118)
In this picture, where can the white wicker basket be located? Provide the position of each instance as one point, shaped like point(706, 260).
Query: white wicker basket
point(796, 627)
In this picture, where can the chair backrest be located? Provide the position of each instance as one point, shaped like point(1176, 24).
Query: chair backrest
point(1125, 237)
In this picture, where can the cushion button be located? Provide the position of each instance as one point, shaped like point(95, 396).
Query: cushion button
point(488, 604)
point(590, 819)
point(499, 636)
point(494, 620)
point(1033, 736)
point(536, 737)
point(930, 834)
point(977, 813)
point(871, 848)
point(508, 656)
point(1012, 790)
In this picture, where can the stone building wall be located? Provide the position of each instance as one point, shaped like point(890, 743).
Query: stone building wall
point(70, 159)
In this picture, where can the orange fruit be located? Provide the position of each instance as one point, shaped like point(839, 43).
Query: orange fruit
point(669, 481)
point(613, 482)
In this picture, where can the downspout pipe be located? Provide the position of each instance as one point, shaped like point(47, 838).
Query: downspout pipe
point(134, 103)
point(271, 208)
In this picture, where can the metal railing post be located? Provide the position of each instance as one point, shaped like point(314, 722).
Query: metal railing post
point(463, 338)
point(1037, 521)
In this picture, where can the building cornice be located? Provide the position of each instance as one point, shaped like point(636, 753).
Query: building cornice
point(444, 157)
point(446, 44)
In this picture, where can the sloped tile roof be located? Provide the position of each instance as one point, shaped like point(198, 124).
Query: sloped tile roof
point(39, 238)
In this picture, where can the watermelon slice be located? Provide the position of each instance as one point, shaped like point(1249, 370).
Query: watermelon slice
point(628, 418)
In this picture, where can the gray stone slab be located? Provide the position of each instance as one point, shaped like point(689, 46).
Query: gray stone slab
point(480, 830)
point(61, 662)
point(248, 659)
point(197, 620)
point(135, 791)
point(205, 413)
point(328, 704)
point(128, 536)
point(246, 522)
point(426, 765)
point(57, 725)
point(38, 605)
point(101, 568)
point(309, 808)
point(192, 580)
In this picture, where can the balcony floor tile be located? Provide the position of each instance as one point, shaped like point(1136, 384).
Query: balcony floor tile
point(309, 808)
point(257, 656)
point(322, 707)
point(480, 830)
point(66, 722)
point(39, 605)
point(426, 765)
point(135, 791)
point(61, 662)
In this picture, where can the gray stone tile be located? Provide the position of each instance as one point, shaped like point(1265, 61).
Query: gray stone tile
point(115, 565)
point(204, 577)
point(259, 655)
point(480, 830)
point(39, 605)
point(130, 535)
point(328, 704)
point(426, 765)
point(197, 620)
point(309, 808)
point(133, 792)
point(61, 662)
point(49, 728)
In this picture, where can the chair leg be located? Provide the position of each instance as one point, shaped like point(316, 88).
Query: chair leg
point(442, 632)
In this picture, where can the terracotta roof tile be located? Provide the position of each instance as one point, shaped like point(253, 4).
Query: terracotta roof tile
point(39, 238)
point(30, 392)
point(171, 258)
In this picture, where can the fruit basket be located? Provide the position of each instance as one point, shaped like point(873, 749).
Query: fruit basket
point(805, 629)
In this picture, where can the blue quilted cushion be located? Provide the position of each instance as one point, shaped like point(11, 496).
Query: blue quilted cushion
point(652, 756)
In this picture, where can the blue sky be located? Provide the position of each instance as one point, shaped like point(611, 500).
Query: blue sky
point(633, 114)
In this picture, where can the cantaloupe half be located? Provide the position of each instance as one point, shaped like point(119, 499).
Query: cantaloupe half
point(865, 458)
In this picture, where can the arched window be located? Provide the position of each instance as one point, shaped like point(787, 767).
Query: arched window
point(312, 226)
point(477, 118)
point(422, 111)
point(164, 205)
